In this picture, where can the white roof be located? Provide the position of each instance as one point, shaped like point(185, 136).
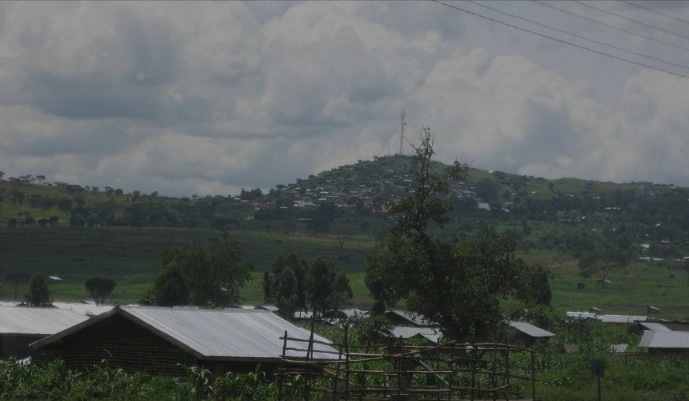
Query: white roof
point(85, 308)
point(582, 315)
point(621, 319)
point(654, 326)
point(664, 339)
point(36, 321)
point(531, 330)
point(409, 332)
point(227, 334)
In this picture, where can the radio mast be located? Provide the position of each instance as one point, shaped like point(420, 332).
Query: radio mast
point(403, 123)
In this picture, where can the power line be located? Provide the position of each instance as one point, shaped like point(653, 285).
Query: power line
point(579, 36)
point(610, 26)
point(655, 12)
point(558, 40)
point(630, 19)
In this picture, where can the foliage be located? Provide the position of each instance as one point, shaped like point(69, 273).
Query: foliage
point(100, 288)
point(602, 264)
point(38, 293)
point(326, 289)
point(457, 285)
point(169, 288)
point(213, 275)
point(17, 277)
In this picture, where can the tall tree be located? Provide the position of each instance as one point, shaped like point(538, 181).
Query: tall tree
point(100, 288)
point(457, 285)
point(169, 288)
point(38, 293)
point(326, 290)
point(213, 274)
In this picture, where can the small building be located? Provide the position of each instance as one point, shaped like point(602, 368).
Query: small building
point(405, 333)
point(661, 343)
point(406, 318)
point(622, 319)
point(529, 333)
point(20, 326)
point(156, 340)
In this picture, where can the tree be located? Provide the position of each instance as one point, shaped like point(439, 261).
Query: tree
point(325, 288)
point(38, 293)
point(602, 264)
point(169, 288)
point(213, 274)
point(273, 277)
point(457, 285)
point(487, 189)
point(100, 288)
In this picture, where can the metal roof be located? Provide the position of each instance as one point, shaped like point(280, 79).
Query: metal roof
point(531, 330)
point(654, 326)
point(85, 308)
point(581, 315)
point(621, 319)
point(411, 317)
point(619, 348)
point(227, 334)
point(37, 321)
point(664, 339)
point(409, 332)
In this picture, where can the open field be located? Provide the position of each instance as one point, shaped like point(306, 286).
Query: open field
point(131, 257)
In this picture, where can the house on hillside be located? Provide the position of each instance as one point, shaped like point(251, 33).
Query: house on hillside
point(156, 340)
point(20, 326)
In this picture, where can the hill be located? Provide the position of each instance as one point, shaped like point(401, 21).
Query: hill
point(78, 232)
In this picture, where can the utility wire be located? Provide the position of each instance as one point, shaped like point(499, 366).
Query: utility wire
point(630, 19)
point(655, 12)
point(610, 26)
point(578, 36)
point(558, 40)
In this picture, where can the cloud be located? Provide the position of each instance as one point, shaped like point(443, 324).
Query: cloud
point(212, 97)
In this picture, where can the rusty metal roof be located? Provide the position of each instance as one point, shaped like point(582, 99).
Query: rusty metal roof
point(227, 334)
point(664, 339)
point(37, 321)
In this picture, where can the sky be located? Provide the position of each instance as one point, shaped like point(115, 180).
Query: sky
point(208, 98)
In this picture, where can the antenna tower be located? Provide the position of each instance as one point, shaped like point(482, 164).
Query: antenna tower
point(403, 123)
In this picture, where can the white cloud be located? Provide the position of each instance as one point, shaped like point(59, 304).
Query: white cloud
point(210, 97)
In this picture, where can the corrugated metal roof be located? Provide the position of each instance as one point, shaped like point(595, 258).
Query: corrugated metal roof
point(621, 319)
point(217, 334)
point(619, 348)
point(414, 318)
point(37, 321)
point(87, 308)
point(664, 339)
point(432, 335)
point(654, 326)
point(531, 330)
point(582, 315)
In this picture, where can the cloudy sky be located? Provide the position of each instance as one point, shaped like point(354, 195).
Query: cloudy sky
point(210, 97)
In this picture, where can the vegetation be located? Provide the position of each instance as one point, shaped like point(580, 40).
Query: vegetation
point(456, 285)
point(208, 276)
point(100, 288)
point(38, 293)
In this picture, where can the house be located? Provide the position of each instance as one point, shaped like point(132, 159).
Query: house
point(432, 335)
point(405, 318)
point(156, 340)
point(661, 343)
point(20, 326)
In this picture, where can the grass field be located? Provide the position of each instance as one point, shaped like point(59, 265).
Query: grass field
point(130, 256)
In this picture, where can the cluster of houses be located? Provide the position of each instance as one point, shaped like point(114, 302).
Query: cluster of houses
point(158, 339)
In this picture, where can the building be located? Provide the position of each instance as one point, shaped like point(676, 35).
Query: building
point(20, 326)
point(156, 340)
point(661, 343)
